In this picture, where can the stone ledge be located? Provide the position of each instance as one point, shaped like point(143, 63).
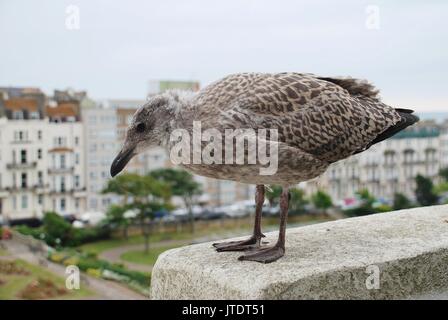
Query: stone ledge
point(323, 261)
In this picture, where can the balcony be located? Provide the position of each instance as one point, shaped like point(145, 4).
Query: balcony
point(26, 141)
point(19, 188)
point(77, 192)
point(21, 165)
point(60, 170)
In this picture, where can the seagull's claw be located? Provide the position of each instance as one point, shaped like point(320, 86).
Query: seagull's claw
point(249, 244)
point(264, 255)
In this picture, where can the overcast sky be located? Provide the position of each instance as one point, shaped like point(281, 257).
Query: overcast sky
point(120, 45)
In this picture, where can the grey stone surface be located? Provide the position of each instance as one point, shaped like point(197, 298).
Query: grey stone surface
point(323, 261)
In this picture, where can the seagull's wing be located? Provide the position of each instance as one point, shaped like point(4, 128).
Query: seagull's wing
point(326, 117)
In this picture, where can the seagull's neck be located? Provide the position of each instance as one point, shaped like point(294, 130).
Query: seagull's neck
point(180, 104)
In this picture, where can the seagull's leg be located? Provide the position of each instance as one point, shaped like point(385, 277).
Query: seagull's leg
point(254, 241)
point(270, 254)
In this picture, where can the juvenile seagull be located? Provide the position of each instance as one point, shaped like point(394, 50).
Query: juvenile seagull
point(319, 121)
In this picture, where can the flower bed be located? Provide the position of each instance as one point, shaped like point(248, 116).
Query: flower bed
point(103, 269)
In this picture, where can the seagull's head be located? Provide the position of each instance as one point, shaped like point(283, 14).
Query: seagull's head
point(150, 126)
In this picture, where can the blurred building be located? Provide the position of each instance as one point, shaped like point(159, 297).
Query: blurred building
point(101, 146)
point(42, 158)
point(444, 144)
point(388, 167)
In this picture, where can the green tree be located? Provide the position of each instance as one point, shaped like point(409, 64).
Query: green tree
point(443, 173)
point(57, 229)
point(322, 200)
point(401, 202)
point(183, 185)
point(115, 218)
point(142, 193)
point(124, 185)
point(273, 194)
point(424, 193)
point(366, 206)
point(298, 201)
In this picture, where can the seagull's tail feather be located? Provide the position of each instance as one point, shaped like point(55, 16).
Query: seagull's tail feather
point(355, 87)
point(407, 118)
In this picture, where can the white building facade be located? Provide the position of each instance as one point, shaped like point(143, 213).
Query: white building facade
point(101, 146)
point(41, 168)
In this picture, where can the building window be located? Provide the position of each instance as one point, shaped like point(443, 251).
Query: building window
point(39, 154)
point(34, 115)
point(76, 140)
point(23, 156)
point(62, 158)
point(14, 202)
point(20, 136)
point(23, 183)
point(76, 204)
point(76, 158)
point(24, 201)
point(76, 181)
point(39, 134)
point(40, 178)
point(17, 115)
point(62, 184)
point(40, 199)
point(62, 204)
point(59, 141)
point(93, 203)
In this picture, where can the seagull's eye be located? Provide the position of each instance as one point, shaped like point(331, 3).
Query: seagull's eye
point(140, 127)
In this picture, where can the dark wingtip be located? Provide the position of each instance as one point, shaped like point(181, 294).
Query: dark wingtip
point(404, 110)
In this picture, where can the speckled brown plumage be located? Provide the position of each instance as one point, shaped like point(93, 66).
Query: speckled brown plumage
point(319, 121)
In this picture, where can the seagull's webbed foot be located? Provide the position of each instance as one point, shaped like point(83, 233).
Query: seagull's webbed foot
point(265, 255)
point(249, 244)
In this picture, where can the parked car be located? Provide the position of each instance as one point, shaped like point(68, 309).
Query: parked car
point(92, 218)
point(208, 214)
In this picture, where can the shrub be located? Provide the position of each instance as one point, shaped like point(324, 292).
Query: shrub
point(71, 261)
point(88, 263)
point(57, 257)
point(56, 227)
point(139, 277)
point(94, 273)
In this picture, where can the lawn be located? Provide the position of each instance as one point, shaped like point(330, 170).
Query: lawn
point(11, 285)
point(100, 246)
point(141, 257)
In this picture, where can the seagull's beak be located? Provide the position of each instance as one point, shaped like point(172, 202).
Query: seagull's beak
point(121, 160)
